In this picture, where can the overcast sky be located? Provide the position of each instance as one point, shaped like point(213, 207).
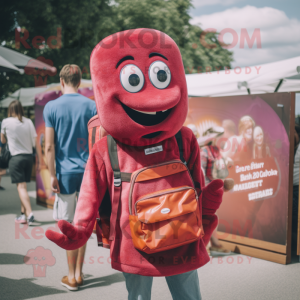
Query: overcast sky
point(277, 23)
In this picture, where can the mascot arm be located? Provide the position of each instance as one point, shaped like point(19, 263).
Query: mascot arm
point(211, 194)
point(211, 200)
point(92, 191)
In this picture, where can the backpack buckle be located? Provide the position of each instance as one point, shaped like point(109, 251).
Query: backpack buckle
point(117, 181)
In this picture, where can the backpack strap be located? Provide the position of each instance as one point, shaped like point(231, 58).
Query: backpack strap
point(178, 137)
point(94, 135)
point(118, 178)
point(114, 161)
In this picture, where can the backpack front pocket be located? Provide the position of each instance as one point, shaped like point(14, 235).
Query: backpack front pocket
point(166, 219)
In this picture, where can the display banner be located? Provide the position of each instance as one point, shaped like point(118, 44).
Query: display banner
point(43, 184)
point(255, 147)
point(45, 196)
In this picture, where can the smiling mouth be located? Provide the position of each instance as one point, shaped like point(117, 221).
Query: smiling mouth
point(146, 118)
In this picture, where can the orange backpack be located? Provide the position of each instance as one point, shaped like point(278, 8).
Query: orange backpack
point(160, 218)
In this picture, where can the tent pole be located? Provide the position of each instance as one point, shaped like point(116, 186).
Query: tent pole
point(278, 86)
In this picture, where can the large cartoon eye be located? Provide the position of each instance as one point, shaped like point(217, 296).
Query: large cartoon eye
point(159, 74)
point(132, 78)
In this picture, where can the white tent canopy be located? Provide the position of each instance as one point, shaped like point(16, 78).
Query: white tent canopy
point(266, 78)
point(27, 95)
point(24, 95)
point(6, 66)
point(281, 76)
point(21, 60)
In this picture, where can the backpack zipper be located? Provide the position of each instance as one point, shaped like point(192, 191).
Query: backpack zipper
point(164, 193)
point(145, 168)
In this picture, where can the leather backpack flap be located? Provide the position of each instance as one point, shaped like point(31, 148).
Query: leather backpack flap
point(164, 219)
point(166, 204)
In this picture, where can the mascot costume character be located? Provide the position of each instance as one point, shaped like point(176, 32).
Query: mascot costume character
point(162, 214)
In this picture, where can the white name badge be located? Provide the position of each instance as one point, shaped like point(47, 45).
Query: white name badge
point(153, 150)
point(165, 210)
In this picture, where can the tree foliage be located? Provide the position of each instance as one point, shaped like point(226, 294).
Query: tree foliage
point(84, 23)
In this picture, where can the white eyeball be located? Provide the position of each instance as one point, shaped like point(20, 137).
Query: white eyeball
point(159, 74)
point(132, 78)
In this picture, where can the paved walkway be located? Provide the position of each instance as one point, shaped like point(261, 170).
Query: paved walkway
point(233, 278)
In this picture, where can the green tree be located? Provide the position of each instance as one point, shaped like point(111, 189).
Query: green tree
point(84, 24)
point(172, 17)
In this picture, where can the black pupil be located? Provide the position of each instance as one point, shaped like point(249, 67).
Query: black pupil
point(162, 75)
point(134, 79)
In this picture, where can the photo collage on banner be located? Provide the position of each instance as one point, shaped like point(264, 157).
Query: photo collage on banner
point(250, 135)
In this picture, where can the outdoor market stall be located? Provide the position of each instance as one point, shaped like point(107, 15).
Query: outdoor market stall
point(280, 76)
point(255, 218)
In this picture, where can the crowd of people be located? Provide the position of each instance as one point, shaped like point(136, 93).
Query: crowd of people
point(65, 125)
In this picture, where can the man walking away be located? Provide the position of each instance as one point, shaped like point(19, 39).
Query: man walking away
point(66, 121)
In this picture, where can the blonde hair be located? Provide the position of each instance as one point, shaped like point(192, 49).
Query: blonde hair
point(71, 75)
point(257, 130)
point(245, 122)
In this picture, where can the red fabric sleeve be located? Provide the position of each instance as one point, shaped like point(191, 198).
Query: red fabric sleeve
point(93, 188)
point(211, 201)
point(194, 165)
point(92, 191)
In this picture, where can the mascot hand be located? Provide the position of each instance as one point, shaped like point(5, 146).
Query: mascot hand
point(211, 200)
point(212, 197)
point(71, 238)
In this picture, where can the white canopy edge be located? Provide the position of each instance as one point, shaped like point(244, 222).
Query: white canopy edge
point(21, 60)
point(6, 65)
point(264, 78)
point(27, 95)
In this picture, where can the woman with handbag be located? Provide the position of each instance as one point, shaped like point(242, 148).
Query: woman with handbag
point(20, 135)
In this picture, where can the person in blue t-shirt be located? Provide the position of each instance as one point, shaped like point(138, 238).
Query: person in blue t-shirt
point(66, 138)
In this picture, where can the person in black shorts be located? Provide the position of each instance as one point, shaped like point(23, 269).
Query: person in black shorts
point(20, 134)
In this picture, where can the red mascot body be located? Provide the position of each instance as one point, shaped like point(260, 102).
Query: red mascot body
point(142, 102)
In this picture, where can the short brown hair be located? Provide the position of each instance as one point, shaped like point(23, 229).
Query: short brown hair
point(15, 108)
point(71, 74)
